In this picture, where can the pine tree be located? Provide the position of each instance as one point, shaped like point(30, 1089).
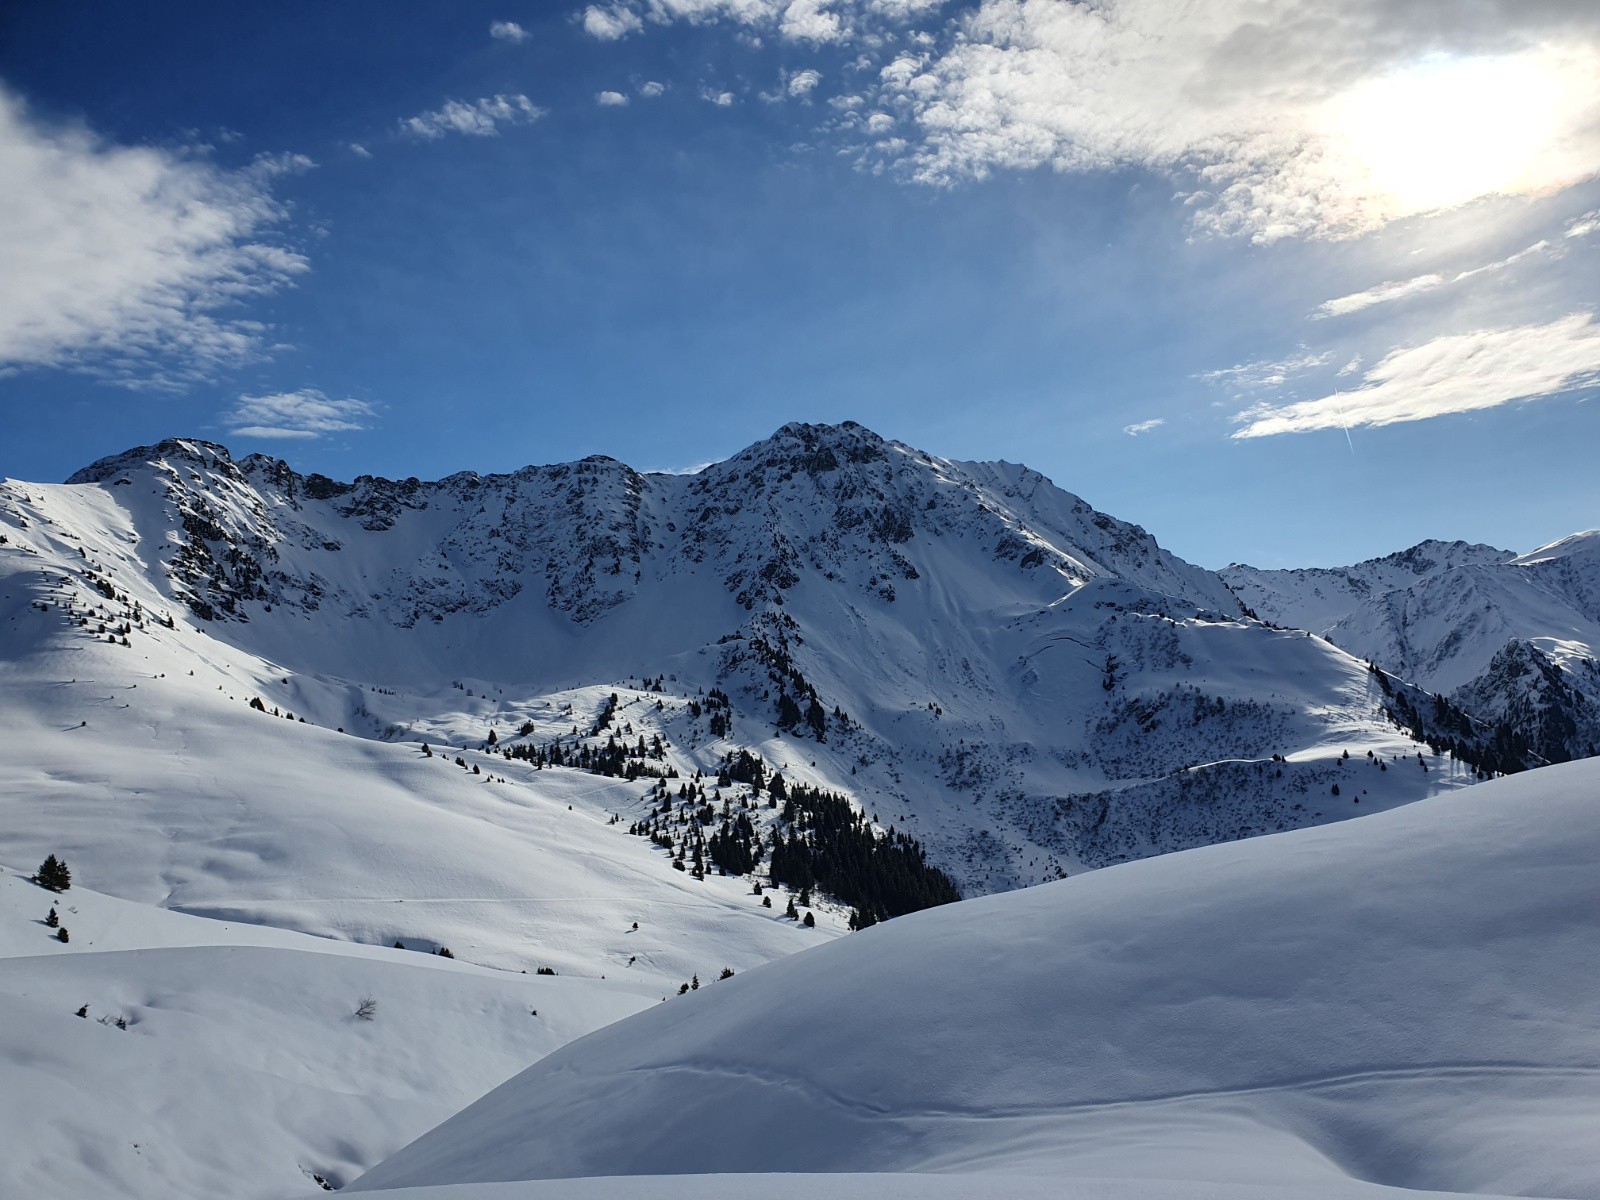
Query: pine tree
point(54, 875)
point(52, 920)
point(62, 936)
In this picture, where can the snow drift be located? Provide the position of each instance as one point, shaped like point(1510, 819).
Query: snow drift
point(1406, 1000)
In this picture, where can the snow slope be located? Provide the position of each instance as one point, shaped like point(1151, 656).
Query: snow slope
point(242, 1069)
point(1400, 1002)
point(210, 841)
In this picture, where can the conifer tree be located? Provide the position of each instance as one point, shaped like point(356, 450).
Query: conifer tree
point(53, 874)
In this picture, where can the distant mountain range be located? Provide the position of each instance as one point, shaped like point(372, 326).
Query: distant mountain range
point(1509, 638)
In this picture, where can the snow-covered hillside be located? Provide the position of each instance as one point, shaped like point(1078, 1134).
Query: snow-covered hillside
point(228, 1059)
point(966, 652)
point(1512, 639)
point(1400, 1002)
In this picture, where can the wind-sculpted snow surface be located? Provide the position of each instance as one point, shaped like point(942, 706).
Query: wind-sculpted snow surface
point(1407, 1000)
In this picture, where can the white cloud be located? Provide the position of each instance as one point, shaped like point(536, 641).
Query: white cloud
point(610, 99)
point(1139, 427)
point(359, 150)
point(650, 89)
point(802, 83)
point(1456, 373)
point(811, 20)
point(306, 413)
point(126, 262)
point(507, 31)
point(1281, 117)
point(1268, 373)
point(903, 9)
point(713, 96)
point(480, 118)
point(821, 21)
point(1584, 225)
point(1381, 294)
point(610, 22)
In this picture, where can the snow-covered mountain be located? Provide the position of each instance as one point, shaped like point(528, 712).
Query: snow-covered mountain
point(1403, 1002)
point(968, 653)
point(1512, 639)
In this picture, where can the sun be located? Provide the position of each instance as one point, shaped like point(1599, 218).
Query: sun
point(1446, 131)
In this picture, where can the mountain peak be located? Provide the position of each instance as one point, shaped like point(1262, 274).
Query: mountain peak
point(193, 450)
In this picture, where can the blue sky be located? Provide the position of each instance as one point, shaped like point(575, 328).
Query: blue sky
point(1286, 283)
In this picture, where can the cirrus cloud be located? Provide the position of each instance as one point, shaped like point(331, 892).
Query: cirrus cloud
point(1454, 373)
point(302, 414)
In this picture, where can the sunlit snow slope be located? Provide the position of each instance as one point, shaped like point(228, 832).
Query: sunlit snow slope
point(1406, 1001)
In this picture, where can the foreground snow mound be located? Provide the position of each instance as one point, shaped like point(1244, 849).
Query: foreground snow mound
point(1406, 1000)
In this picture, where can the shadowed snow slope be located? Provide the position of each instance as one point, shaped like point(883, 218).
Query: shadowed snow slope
point(1406, 1000)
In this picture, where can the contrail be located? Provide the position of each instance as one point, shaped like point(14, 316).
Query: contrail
point(1343, 425)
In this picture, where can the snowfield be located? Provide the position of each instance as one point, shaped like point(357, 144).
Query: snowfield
point(242, 1070)
point(1405, 1001)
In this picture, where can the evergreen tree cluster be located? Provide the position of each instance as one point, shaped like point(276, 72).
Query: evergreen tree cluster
point(615, 759)
point(832, 846)
point(816, 840)
point(1497, 749)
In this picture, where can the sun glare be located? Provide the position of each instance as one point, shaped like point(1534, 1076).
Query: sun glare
point(1447, 131)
